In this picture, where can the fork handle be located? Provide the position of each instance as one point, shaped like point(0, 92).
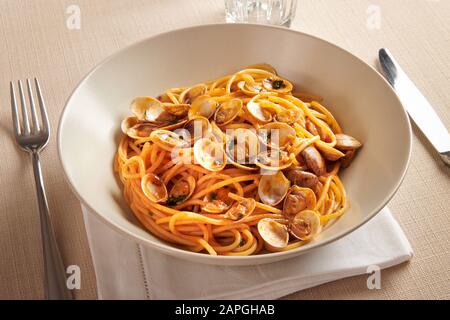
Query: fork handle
point(55, 273)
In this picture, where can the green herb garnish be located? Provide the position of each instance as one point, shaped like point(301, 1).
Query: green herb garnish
point(172, 201)
point(278, 84)
point(214, 196)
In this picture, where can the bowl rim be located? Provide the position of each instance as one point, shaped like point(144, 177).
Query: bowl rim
point(201, 257)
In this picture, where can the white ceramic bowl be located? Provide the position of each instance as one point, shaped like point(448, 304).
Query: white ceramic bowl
point(358, 96)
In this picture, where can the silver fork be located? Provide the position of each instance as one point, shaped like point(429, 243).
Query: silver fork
point(33, 137)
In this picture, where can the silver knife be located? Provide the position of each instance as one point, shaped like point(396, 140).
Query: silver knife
point(418, 107)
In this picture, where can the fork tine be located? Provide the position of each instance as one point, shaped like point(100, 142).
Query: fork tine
point(15, 112)
point(42, 107)
point(26, 124)
point(33, 108)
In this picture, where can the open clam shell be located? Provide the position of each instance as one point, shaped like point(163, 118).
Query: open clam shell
point(250, 88)
point(273, 188)
point(204, 106)
point(289, 116)
point(273, 233)
point(179, 110)
point(257, 112)
point(297, 200)
point(210, 154)
point(242, 148)
point(154, 188)
point(197, 127)
point(217, 202)
point(278, 135)
point(227, 112)
point(168, 140)
point(241, 209)
point(277, 84)
point(273, 160)
point(182, 190)
point(152, 110)
point(305, 225)
point(192, 93)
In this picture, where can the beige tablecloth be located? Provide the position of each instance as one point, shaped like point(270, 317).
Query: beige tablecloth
point(35, 41)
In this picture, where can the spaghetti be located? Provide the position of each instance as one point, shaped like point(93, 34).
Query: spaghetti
point(236, 166)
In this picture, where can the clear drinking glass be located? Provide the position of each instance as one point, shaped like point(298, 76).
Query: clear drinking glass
point(276, 12)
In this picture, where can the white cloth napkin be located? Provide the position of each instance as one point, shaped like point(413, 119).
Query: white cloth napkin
point(126, 270)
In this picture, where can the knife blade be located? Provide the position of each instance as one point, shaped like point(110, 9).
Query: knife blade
point(418, 107)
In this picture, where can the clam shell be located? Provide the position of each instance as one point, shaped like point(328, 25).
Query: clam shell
point(154, 188)
point(298, 199)
point(345, 142)
point(305, 225)
point(228, 111)
point(204, 106)
point(210, 155)
point(183, 189)
point(273, 233)
point(168, 140)
point(277, 135)
point(273, 188)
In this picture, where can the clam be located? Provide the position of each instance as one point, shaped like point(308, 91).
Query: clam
point(204, 106)
point(168, 140)
point(128, 123)
point(302, 178)
point(190, 94)
point(152, 110)
point(277, 135)
point(181, 190)
point(179, 110)
point(164, 97)
point(347, 160)
point(273, 233)
point(136, 129)
point(241, 209)
point(301, 162)
point(277, 84)
point(197, 127)
point(250, 88)
point(258, 112)
point(210, 155)
point(173, 125)
point(154, 188)
point(141, 130)
point(273, 188)
point(273, 160)
point(297, 200)
point(318, 190)
point(314, 160)
point(288, 116)
point(305, 225)
point(217, 202)
point(217, 133)
point(228, 111)
point(345, 142)
point(242, 148)
point(330, 153)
